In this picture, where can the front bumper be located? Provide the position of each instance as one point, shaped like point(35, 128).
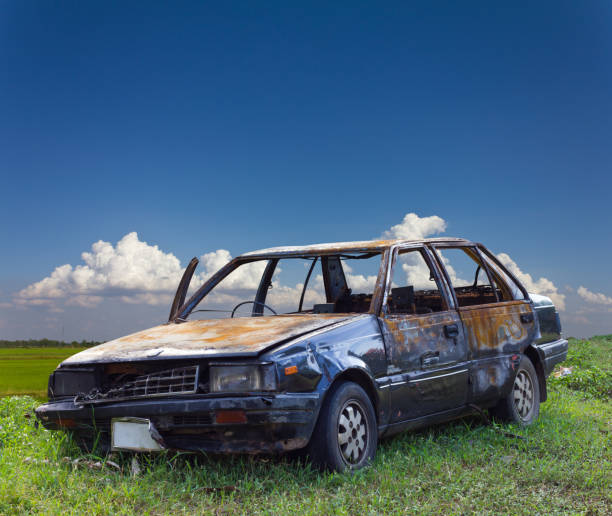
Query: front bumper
point(552, 353)
point(270, 424)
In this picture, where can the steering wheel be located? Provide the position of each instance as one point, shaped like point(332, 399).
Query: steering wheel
point(252, 303)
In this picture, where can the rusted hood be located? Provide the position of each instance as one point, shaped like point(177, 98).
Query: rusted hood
point(246, 336)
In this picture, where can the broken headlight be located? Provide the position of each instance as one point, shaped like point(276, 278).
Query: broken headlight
point(68, 382)
point(242, 378)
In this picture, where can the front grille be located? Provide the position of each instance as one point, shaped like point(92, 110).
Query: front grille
point(183, 380)
point(172, 381)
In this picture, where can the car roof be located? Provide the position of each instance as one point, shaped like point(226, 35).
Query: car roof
point(335, 247)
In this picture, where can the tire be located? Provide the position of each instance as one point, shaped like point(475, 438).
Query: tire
point(522, 404)
point(346, 434)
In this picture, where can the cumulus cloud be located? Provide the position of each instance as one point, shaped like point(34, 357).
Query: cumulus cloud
point(132, 270)
point(594, 297)
point(135, 272)
point(413, 227)
point(542, 286)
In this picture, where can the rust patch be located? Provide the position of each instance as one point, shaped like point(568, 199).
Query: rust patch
point(206, 337)
point(496, 326)
point(368, 245)
point(414, 333)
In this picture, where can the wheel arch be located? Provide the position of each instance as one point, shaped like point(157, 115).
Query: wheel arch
point(533, 355)
point(361, 378)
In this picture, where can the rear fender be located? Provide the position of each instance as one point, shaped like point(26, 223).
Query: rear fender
point(537, 359)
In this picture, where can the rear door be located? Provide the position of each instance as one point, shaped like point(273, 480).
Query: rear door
point(498, 320)
point(425, 341)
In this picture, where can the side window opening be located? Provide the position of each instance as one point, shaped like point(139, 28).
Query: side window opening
point(414, 288)
point(469, 277)
point(509, 289)
point(350, 281)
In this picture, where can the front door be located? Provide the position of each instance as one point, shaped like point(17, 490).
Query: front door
point(425, 341)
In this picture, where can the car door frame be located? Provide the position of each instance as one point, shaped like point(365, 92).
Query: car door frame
point(418, 388)
point(496, 333)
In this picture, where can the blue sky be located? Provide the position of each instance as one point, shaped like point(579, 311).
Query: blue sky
point(241, 125)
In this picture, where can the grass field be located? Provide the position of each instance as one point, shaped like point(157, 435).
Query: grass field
point(561, 465)
point(26, 370)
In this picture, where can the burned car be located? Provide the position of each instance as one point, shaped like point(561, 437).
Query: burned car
point(326, 348)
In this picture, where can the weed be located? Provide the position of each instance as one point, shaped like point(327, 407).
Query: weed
point(562, 465)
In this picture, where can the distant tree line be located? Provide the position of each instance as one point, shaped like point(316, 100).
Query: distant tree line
point(47, 343)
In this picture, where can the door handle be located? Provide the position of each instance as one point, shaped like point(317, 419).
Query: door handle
point(430, 358)
point(527, 318)
point(451, 331)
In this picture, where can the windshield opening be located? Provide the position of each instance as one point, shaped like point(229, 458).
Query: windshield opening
point(342, 283)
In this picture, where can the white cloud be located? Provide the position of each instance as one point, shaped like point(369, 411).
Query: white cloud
point(133, 270)
point(212, 262)
point(414, 227)
point(285, 298)
point(416, 271)
point(542, 286)
point(84, 301)
point(594, 297)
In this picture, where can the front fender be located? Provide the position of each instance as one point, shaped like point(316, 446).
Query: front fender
point(354, 351)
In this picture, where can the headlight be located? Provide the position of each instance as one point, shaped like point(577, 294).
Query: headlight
point(68, 382)
point(242, 378)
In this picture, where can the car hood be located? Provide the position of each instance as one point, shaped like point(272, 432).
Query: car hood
point(244, 336)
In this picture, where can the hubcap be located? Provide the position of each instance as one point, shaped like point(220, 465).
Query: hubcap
point(352, 432)
point(523, 394)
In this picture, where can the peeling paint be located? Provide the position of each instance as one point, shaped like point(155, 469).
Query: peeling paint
point(205, 338)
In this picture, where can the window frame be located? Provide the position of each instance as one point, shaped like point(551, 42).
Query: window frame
point(504, 269)
point(483, 265)
point(427, 255)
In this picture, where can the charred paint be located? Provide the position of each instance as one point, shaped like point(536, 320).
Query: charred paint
point(427, 366)
point(336, 247)
point(497, 328)
point(417, 369)
point(204, 338)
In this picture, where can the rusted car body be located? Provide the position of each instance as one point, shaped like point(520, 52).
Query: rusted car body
point(333, 378)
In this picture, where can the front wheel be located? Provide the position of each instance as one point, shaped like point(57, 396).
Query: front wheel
point(346, 435)
point(522, 405)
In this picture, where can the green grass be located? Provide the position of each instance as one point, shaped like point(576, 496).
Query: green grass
point(562, 466)
point(591, 367)
point(26, 370)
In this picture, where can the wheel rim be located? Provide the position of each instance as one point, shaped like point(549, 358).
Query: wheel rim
point(523, 395)
point(352, 432)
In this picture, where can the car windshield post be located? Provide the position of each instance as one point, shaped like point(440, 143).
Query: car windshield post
point(208, 285)
point(312, 266)
point(262, 290)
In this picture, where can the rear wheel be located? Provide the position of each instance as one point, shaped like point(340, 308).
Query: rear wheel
point(346, 435)
point(522, 405)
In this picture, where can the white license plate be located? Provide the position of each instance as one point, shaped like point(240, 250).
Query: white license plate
point(132, 434)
